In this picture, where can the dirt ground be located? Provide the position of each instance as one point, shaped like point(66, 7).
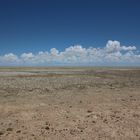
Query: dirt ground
point(69, 103)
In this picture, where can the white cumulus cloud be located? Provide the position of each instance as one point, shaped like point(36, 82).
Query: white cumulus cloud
point(113, 46)
point(112, 54)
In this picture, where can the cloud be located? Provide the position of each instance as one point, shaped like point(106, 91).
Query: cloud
point(54, 52)
point(112, 54)
point(113, 46)
point(27, 56)
point(9, 59)
point(130, 48)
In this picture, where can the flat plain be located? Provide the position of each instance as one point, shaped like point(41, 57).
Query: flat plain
point(69, 103)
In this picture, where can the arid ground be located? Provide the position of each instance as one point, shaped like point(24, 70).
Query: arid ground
point(69, 103)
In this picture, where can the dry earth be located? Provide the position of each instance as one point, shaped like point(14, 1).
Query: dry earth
point(69, 103)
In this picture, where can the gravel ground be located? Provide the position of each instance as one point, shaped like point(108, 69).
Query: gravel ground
point(69, 103)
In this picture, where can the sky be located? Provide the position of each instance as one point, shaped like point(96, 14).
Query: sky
point(70, 32)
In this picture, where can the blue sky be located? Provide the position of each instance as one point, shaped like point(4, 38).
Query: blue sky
point(31, 26)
